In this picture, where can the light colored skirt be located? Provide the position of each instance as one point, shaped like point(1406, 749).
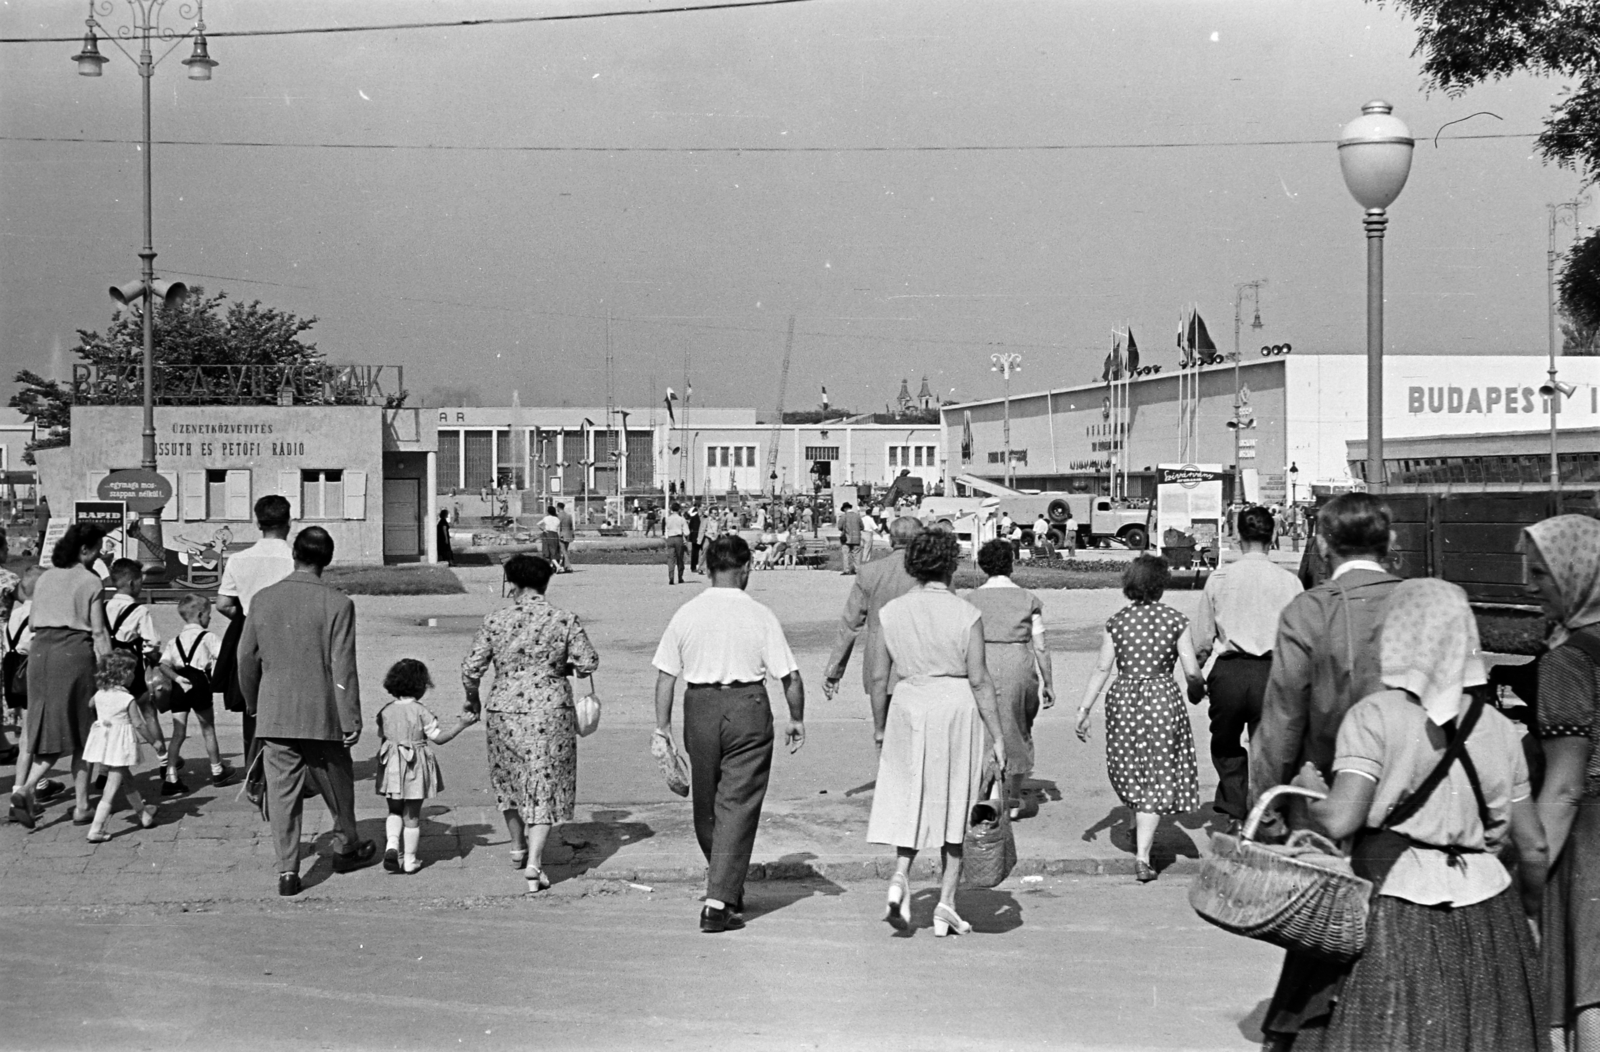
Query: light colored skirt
point(931, 768)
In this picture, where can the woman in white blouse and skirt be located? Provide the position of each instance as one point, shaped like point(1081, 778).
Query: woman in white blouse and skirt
point(931, 738)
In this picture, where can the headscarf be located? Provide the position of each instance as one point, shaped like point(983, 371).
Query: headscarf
point(1570, 547)
point(1430, 645)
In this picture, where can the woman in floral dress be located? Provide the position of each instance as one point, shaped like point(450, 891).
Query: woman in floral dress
point(1149, 743)
point(529, 721)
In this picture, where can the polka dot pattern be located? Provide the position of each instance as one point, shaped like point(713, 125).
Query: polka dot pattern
point(1149, 745)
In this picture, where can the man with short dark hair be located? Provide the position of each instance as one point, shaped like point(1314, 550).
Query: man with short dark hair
point(879, 582)
point(676, 533)
point(566, 532)
point(695, 524)
point(297, 668)
point(1325, 657)
point(1237, 621)
point(245, 573)
point(724, 645)
point(850, 527)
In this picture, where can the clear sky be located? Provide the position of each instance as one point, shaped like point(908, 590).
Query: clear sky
point(397, 200)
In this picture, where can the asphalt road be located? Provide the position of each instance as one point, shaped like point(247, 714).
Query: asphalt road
point(1063, 963)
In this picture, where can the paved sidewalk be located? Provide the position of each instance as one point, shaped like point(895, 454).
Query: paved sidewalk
point(211, 846)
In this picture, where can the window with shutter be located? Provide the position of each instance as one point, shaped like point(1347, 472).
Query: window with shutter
point(193, 496)
point(355, 494)
point(237, 495)
point(289, 486)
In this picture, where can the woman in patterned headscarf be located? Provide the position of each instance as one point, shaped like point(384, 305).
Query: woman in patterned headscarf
point(1449, 962)
point(1563, 563)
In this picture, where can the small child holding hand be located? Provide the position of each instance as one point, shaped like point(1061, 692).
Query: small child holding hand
point(408, 773)
point(113, 740)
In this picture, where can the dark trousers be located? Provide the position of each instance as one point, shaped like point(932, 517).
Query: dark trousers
point(694, 556)
point(728, 734)
point(675, 560)
point(292, 762)
point(1237, 684)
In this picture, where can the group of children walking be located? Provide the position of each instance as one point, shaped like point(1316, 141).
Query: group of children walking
point(144, 675)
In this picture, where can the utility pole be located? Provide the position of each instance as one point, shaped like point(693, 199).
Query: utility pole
point(1553, 389)
point(1238, 401)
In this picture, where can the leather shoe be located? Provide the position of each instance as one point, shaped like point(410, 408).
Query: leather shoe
point(288, 884)
point(359, 857)
point(714, 920)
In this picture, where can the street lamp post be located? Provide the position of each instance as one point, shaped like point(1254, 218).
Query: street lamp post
point(1553, 389)
point(1294, 503)
point(1238, 399)
point(1375, 158)
point(146, 24)
point(1006, 363)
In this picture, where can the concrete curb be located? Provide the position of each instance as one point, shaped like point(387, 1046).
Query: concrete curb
point(876, 869)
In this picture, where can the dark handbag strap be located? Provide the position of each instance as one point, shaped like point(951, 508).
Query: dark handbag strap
point(14, 639)
point(1456, 735)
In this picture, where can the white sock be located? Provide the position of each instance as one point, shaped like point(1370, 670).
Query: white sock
point(391, 829)
point(716, 904)
point(413, 836)
point(216, 768)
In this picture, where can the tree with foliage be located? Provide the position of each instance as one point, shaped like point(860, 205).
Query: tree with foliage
point(1580, 298)
point(205, 331)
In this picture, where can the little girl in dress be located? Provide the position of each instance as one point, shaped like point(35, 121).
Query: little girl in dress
point(113, 741)
point(408, 773)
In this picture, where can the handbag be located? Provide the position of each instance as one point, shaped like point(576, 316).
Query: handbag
point(989, 850)
point(674, 766)
point(587, 709)
point(14, 668)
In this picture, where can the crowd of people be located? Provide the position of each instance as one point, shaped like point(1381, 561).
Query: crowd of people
point(1482, 838)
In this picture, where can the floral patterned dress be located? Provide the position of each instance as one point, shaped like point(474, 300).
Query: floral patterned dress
point(528, 718)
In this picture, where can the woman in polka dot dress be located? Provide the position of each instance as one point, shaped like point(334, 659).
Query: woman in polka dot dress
point(1149, 744)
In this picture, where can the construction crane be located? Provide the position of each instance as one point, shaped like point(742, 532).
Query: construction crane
point(777, 419)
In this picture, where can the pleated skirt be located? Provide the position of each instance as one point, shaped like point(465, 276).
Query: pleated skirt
point(931, 767)
point(1439, 979)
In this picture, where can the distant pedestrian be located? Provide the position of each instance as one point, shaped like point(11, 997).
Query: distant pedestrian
point(1019, 663)
point(297, 669)
point(568, 533)
point(676, 532)
point(931, 754)
point(1238, 621)
point(711, 528)
point(724, 645)
point(41, 522)
point(1149, 745)
point(550, 536)
point(850, 529)
point(695, 538)
point(877, 585)
point(442, 538)
point(408, 772)
point(529, 724)
point(113, 741)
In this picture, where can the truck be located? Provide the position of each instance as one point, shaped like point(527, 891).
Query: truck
point(1097, 520)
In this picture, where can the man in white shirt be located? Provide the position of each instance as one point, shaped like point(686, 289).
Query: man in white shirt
point(676, 531)
point(1238, 620)
point(723, 645)
point(245, 573)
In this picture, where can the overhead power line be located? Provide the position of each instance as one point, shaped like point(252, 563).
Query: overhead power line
point(456, 23)
point(925, 148)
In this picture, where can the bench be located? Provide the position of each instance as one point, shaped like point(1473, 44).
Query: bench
point(813, 552)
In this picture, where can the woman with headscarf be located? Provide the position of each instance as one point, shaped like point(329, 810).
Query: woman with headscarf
point(1450, 964)
point(1563, 563)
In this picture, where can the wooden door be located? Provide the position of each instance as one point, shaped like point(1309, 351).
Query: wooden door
point(402, 520)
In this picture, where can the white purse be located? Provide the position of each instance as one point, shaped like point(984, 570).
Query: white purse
point(587, 709)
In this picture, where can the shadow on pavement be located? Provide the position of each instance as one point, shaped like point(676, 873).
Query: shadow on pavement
point(989, 911)
point(577, 847)
point(1171, 841)
point(769, 896)
point(1250, 1025)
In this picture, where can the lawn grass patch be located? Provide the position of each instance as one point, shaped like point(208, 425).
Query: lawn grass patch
point(412, 579)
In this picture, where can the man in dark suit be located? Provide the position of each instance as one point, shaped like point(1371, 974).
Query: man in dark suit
point(1325, 658)
point(878, 582)
point(297, 669)
point(694, 537)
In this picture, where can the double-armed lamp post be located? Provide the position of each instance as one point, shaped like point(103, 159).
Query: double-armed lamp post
point(1006, 363)
point(147, 292)
point(1375, 157)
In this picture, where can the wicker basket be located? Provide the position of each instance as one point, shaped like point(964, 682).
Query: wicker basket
point(1254, 891)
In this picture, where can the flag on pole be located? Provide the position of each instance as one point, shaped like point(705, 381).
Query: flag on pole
point(1199, 338)
point(824, 398)
point(966, 435)
point(672, 396)
point(1132, 354)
